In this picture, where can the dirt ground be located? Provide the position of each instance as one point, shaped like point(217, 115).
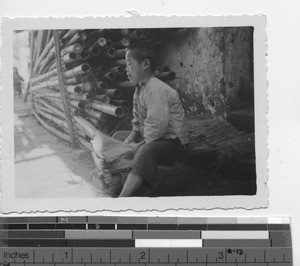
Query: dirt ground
point(45, 166)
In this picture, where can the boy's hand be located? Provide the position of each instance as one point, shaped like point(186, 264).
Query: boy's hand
point(130, 139)
point(133, 150)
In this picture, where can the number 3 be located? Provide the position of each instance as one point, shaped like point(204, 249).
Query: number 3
point(221, 255)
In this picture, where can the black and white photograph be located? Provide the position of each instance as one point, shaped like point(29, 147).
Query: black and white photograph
point(126, 114)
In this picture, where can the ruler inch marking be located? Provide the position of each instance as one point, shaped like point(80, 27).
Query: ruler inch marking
point(72, 254)
point(271, 241)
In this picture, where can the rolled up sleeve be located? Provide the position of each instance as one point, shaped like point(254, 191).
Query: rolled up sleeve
point(157, 120)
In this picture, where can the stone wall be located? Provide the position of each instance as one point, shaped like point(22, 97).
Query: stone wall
point(213, 66)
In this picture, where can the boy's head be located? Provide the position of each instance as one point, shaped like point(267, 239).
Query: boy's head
point(141, 60)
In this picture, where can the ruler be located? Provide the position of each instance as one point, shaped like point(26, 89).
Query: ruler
point(147, 241)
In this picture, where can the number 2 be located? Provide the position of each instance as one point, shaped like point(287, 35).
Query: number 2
point(143, 255)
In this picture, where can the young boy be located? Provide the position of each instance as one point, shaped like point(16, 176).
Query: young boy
point(158, 118)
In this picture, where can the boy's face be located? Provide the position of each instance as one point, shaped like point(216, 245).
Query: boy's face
point(135, 70)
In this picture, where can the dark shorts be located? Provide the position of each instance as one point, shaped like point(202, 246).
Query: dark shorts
point(165, 152)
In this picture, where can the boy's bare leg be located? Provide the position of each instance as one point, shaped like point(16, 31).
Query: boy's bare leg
point(132, 183)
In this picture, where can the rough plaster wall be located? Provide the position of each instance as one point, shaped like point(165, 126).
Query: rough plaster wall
point(213, 68)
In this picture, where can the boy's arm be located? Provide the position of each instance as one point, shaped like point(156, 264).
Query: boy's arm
point(135, 122)
point(157, 120)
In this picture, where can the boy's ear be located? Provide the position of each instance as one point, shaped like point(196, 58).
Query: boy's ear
point(146, 64)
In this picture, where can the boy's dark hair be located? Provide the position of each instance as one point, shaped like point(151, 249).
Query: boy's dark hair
point(145, 50)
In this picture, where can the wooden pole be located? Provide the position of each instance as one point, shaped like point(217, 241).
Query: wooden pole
point(43, 55)
point(56, 132)
point(31, 40)
point(32, 56)
point(37, 46)
point(62, 88)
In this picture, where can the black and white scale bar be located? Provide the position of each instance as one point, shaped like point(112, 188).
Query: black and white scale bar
point(145, 223)
point(211, 238)
point(110, 226)
point(138, 243)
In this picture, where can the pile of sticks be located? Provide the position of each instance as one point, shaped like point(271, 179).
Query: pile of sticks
point(93, 70)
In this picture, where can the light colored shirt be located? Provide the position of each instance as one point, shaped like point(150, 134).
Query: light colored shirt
point(158, 112)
